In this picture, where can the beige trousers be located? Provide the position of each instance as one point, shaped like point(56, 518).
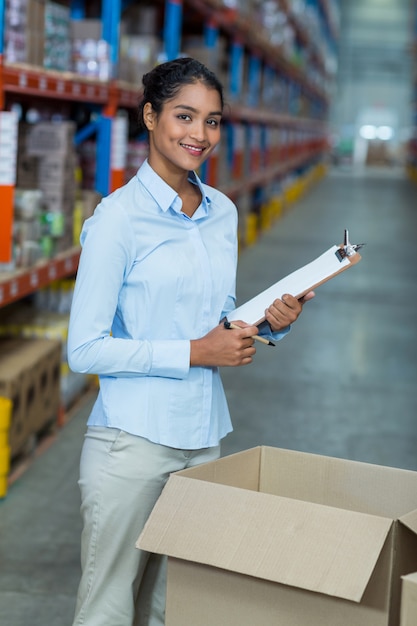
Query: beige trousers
point(121, 477)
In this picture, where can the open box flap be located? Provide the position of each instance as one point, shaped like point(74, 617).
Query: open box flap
point(353, 485)
point(292, 542)
point(410, 520)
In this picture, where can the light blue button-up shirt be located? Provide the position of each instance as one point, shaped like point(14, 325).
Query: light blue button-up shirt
point(150, 279)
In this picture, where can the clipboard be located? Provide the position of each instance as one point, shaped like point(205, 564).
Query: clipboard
point(335, 260)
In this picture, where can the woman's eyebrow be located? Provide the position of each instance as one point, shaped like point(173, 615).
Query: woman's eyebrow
point(193, 110)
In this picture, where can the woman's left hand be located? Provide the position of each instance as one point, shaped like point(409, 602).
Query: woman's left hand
point(286, 310)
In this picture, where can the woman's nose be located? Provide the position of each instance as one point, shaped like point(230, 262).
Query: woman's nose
point(198, 131)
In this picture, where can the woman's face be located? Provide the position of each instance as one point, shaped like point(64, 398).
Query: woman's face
point(186, 131)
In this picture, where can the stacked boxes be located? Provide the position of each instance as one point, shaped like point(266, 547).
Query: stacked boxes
point(140, 46)
point(15, 49)
point(138, 55)
point(54, 325)
point(30, 378)
point(215, 57)
point(27, 227)
point(90, 52)
point(37, 32)
point(50, 207)
point(47, 317)
point(57, 49)
point(27, 166)
point(52, 143)
point(139, 52)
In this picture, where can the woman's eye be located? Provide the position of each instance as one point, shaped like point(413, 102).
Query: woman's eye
point(213, 122)
point(184, 116)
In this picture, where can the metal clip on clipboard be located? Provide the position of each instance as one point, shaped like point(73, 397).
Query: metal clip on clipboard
point(348, 249)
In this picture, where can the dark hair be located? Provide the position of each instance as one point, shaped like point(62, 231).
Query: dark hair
point(164, 81)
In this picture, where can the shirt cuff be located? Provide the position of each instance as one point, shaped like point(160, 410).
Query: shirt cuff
point(265, 331)
point(281, 333)
point(170, 359)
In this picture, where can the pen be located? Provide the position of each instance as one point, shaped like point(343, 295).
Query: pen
point(228, 324)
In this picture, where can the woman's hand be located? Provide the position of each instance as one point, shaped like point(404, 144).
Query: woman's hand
point(286, 310)
point(223, 347)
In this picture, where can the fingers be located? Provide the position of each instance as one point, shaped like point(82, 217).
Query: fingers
point(308, 296)
point(284, 311)
point(241, 342)
point(248, 330)
point(223, 347)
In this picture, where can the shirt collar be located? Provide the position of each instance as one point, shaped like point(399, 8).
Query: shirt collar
point(164, 195)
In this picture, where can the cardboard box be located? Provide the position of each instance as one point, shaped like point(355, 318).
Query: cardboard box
point(45, 138)
point(409, 600)
point(30, 377)
point(27, 168)
point(138, 55)
point(35, 32)
point(56, 170)
point(278, 537)
point(140, 20)
point(86, 29)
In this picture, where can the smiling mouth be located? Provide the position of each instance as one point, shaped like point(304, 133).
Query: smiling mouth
point(194, 149)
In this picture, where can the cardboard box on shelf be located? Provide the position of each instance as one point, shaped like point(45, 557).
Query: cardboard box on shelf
point(27, 168)
point(30, 378)
point(138, 55)
point(409, 600)
point(215, 58)
point(35, 48)
point(59, 171)
point(86, 29)
point(57, 48)
point(271, 536)
point(36, 15)
point(140, 20)
point(89, 51)
point(45, 138)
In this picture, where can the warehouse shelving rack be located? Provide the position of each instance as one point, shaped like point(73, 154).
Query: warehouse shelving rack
point(305, 134)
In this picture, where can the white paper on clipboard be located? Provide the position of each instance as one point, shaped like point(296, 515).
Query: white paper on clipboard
point(298, 283)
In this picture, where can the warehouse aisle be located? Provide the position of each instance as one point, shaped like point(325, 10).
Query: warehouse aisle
point(343, 383)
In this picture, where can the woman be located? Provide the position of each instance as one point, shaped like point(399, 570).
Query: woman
point(156, 277)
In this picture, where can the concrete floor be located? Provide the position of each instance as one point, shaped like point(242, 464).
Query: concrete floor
point(343, 383)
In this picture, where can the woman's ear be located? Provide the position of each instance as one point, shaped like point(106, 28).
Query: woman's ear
point(148, 116)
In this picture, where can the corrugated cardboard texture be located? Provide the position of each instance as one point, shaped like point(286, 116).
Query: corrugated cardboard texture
point(30, 377)
point(361, 487)
point(303, 539)
point(237, 470)
point(409, 600)
point(410, 520)
point(269, 538)
point(206, 596)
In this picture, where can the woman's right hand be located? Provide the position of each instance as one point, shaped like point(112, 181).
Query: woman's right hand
point(223, 347)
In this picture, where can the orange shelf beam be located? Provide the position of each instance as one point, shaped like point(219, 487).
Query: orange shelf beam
point(37, 81)
point(17, 285)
